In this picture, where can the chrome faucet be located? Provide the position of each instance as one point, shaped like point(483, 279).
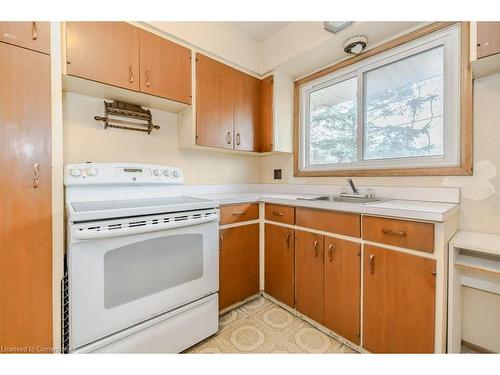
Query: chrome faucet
point(353, 187)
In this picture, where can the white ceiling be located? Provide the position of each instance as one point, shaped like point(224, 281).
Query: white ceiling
point(259, 31)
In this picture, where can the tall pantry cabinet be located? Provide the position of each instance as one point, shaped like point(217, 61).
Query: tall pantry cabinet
point(25, 188)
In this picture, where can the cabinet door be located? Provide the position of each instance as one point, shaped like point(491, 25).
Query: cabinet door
point(238, 264)
point(398, 301)
point(266, 108)
point(279, 263)
point(214, 103)
point(32, 35)
point(25, 203)
point(488, 38)
point(165, 68)
point(246, 112)
point(309, 274)
point(342, 287)
point(106, 52)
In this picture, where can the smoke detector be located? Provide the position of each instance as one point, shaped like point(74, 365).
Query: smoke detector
point(355, 45)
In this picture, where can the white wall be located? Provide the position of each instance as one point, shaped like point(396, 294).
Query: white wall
point(86, 140)
point(217, 38)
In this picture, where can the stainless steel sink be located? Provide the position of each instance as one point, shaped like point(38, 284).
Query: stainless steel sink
point(346, 199)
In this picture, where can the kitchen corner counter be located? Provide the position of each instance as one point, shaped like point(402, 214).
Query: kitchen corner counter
point(408, 209)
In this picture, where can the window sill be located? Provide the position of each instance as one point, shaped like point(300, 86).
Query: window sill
point(434, 171)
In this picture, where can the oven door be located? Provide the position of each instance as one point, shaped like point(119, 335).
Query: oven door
point(122, 273)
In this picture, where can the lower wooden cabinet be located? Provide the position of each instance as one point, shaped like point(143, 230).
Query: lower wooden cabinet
point(398, 302)
point(309, 274)
point(279, 263)
point(238, 264)
point(342, 287)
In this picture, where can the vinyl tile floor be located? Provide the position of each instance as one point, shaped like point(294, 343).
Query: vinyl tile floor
point(261, 326)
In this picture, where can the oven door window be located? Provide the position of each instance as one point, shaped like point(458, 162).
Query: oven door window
point(141, 269)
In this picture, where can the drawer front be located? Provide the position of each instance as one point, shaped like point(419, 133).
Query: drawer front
point(329, 221)
point(402, 233)
point(280, 213)
point(237, 213)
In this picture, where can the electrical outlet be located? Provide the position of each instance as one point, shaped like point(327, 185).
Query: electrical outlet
point(277, 174)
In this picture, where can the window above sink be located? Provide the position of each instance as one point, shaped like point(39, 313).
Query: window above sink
point(399, 111)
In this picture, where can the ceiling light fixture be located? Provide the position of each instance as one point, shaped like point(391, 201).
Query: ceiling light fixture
point(355, 45)
point(336, 26)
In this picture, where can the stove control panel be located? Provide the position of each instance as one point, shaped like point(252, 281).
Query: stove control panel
point(121, 174)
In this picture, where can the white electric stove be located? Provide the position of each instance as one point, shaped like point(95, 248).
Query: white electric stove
point(142, 260)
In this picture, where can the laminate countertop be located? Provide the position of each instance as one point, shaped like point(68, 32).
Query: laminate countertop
point(408, 209)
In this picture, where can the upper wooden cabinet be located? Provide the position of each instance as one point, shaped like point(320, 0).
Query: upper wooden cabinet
point(106, 52)
point(399, 293)
point(488, 38)
point(165, 68)
point(214, 103)
point(229, 108)
point(122, 55)
point(31, 35)
point(246, 111)
point(266, 121)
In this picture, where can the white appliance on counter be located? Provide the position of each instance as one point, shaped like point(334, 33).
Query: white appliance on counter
point(142, 260)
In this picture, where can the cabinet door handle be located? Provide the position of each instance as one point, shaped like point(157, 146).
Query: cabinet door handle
point(130, 74)
point(148, 81)
point(390, 232)
point(238, 139)
point(316, 248)
point(372, 264)
point(36, 174)
point(288, 240)
point(278, 213)
point(34, 31)
point(330, 252)
point(228, 138)
point(239, 213)
point(221, 241)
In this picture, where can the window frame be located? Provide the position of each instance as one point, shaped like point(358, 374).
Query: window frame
point(457, 104)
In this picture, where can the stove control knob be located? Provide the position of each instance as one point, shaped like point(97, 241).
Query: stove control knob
point(75, 172)
point(166, 172)
point(175, 174)
point(157, 172)
point(91, 172)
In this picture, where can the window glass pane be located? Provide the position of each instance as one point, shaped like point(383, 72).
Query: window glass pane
point(403, 107)
point(332, 123)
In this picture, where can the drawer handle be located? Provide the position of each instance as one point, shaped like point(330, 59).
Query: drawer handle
point(372, 264)
point(34, 31)
point(390, 232)
point(316, 248)
point(330, 252)
point(36, 175)
point(288, 240)
point(130, 74)
point(239, 213)
point(278, 213)
point(221, 241)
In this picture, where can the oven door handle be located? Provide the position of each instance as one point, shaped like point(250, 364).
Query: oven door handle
point(110, 233)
